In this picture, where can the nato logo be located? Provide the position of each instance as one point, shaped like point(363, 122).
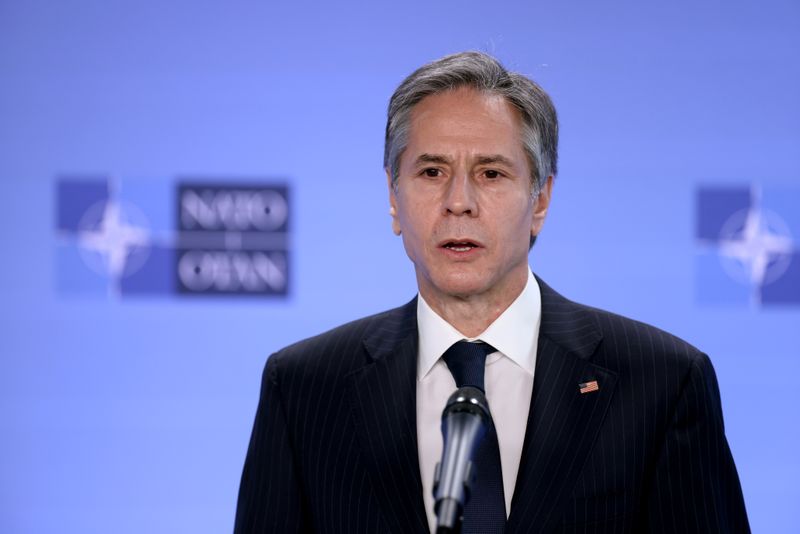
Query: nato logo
point(232, 239)
point(748, 248)
point(149, 238)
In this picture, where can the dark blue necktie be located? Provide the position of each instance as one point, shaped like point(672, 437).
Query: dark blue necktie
point(485, 512)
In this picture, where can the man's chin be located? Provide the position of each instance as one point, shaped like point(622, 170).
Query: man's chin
point(456, 287)
point(465, 285)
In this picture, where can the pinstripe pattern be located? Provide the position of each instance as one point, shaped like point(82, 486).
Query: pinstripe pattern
point(334, 449)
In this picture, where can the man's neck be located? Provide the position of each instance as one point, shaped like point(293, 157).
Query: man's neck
point(472, 314)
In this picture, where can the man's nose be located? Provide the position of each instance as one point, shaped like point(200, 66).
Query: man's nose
point(460, 196)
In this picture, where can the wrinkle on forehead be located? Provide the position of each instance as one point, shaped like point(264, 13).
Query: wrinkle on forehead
point(464, 122)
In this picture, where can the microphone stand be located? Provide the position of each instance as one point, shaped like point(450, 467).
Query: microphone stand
point(465, 421)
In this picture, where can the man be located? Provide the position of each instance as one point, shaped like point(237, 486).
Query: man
point(599, 423)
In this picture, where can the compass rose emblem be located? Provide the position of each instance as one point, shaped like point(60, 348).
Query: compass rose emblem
point(754, 245)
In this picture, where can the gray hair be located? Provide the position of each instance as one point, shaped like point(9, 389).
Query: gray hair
point(483, 73)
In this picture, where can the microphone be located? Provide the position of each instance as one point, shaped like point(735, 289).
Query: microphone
point(465, 420)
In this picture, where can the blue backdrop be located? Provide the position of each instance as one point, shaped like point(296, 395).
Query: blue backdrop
point(677, 204)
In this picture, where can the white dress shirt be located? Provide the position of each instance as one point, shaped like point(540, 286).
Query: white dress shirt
point(508, 380)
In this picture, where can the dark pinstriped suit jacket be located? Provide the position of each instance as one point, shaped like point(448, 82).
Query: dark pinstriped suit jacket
point(334, 445)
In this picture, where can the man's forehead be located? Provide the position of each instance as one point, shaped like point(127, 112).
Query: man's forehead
point(483, 124)
point(463, 100)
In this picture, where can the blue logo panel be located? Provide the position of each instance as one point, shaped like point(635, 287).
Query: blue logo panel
point(748, 245)
point(155, 277)
point(224, 239)
point(715, 205)
point(75, 197)
point(233, 239)
point(786, 289)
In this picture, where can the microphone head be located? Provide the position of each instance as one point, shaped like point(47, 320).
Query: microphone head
point(467, 399)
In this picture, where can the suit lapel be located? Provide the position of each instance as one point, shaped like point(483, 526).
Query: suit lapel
point(383, 400)
point(562, 422)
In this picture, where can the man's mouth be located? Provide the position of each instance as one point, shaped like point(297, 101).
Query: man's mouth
point(460, 246)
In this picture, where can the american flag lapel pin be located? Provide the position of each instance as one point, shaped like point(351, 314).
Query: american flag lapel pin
point(588, 387)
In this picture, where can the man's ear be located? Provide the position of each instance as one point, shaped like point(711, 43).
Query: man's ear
point(540, 207)
point(393, 204)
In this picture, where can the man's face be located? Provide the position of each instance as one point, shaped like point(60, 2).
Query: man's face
point(463, 201)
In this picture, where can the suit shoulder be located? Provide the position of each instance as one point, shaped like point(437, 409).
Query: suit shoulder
point(341, 347)
point(623, 335)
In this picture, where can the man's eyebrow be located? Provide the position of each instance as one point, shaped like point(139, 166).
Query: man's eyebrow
point(433, 158)
point(488, 159)
point(494, 158)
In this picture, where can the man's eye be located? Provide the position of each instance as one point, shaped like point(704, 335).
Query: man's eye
point(431, 173)
point(492, 174)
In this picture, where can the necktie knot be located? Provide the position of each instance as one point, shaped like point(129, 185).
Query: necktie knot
point(467, 362)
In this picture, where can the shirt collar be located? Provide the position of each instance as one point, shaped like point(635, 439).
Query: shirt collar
point(514, 333)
